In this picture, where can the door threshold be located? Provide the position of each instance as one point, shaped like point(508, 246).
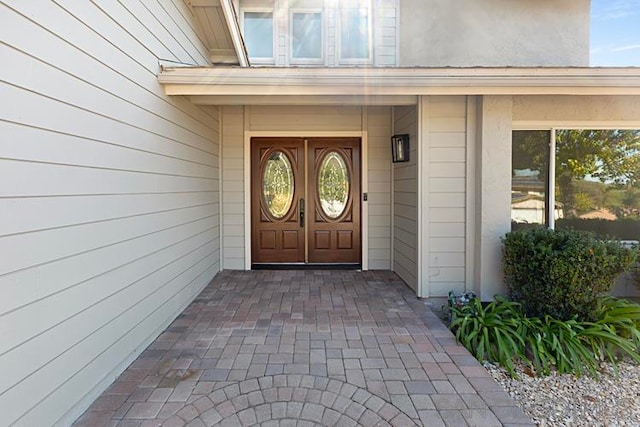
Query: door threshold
point(306, 266)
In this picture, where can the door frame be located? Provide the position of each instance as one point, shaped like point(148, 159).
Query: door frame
point(364, 184)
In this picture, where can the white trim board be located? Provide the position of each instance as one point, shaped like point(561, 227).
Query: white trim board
point(470, 210)
point(236, 35)
point(572, 124)
point(359, 100)
point(423, 197)
point(399, 81)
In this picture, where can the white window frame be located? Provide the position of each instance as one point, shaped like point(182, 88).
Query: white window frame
point(343, 6)
point(262, 60)
point(323, 28)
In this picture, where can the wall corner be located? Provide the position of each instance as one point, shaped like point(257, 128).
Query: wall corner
point(493, 191)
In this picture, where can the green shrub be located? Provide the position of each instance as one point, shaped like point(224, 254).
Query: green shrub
point(561, 273)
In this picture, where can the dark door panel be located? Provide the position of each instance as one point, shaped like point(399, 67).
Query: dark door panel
point(334, 200)
point(277, 185)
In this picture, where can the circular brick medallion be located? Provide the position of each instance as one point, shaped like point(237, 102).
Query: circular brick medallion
point(299, 400)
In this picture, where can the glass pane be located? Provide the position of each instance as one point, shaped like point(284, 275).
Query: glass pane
point(529, 178)
point(307, 35)
point(333, 185)
point(277, 184)
point(598, 181)
point(354, 34)
point(258, 34)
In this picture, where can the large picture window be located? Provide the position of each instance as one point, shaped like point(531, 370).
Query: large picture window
point(594, 174)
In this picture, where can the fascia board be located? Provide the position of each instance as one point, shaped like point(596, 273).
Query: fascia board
point(400, 81)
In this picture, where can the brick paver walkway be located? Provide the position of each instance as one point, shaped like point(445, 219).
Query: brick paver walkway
point(305, 348)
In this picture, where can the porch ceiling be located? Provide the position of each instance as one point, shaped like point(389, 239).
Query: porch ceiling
point(218, 85)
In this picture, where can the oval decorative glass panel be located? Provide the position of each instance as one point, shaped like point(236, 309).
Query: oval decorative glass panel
point(333, 185)
point(277, 184)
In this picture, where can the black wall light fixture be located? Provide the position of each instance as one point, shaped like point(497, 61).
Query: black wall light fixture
point(400, 148)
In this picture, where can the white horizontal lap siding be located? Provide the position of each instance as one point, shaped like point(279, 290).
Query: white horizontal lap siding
point(233, 231)
point(304, 118)
point(405, 199)
point(385, 33)
point(379, 198)
point(447, 195)
point(109, 204)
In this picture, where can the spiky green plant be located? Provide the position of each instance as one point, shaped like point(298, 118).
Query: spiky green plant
point(616, 331)
point(490, 332)
point(500, 333)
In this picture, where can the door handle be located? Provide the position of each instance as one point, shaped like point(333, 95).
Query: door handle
point(302, 213)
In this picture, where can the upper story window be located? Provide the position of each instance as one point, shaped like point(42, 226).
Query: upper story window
point(306, 37)
point(259, 35)
point(330, 33)
point(355, 31)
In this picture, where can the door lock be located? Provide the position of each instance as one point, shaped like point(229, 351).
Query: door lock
point(302, 213)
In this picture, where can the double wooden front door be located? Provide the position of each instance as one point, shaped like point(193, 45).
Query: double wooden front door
point(305, 200)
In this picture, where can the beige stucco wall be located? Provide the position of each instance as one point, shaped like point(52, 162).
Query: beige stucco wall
point(459, 33)
point(576, 111)
point(493, 191)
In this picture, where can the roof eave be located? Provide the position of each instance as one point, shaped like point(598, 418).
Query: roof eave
point(229, 81)
point(231, 21)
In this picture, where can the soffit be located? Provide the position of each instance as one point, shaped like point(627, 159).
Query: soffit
point(223, 82)
point(214, 30)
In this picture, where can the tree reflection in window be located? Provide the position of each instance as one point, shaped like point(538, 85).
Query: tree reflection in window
point(530, 179)
point(596, 181)
point(278, 184)
point(333, 185)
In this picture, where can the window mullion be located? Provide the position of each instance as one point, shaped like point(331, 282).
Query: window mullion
point(551, 193)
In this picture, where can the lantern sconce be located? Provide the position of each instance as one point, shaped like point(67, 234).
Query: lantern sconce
point(400, 148)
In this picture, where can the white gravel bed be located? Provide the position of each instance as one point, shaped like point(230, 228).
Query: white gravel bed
point(567, 400)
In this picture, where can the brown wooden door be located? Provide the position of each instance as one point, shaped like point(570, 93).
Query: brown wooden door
point(334, 200)
point(277, 187)
point(305, 200)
